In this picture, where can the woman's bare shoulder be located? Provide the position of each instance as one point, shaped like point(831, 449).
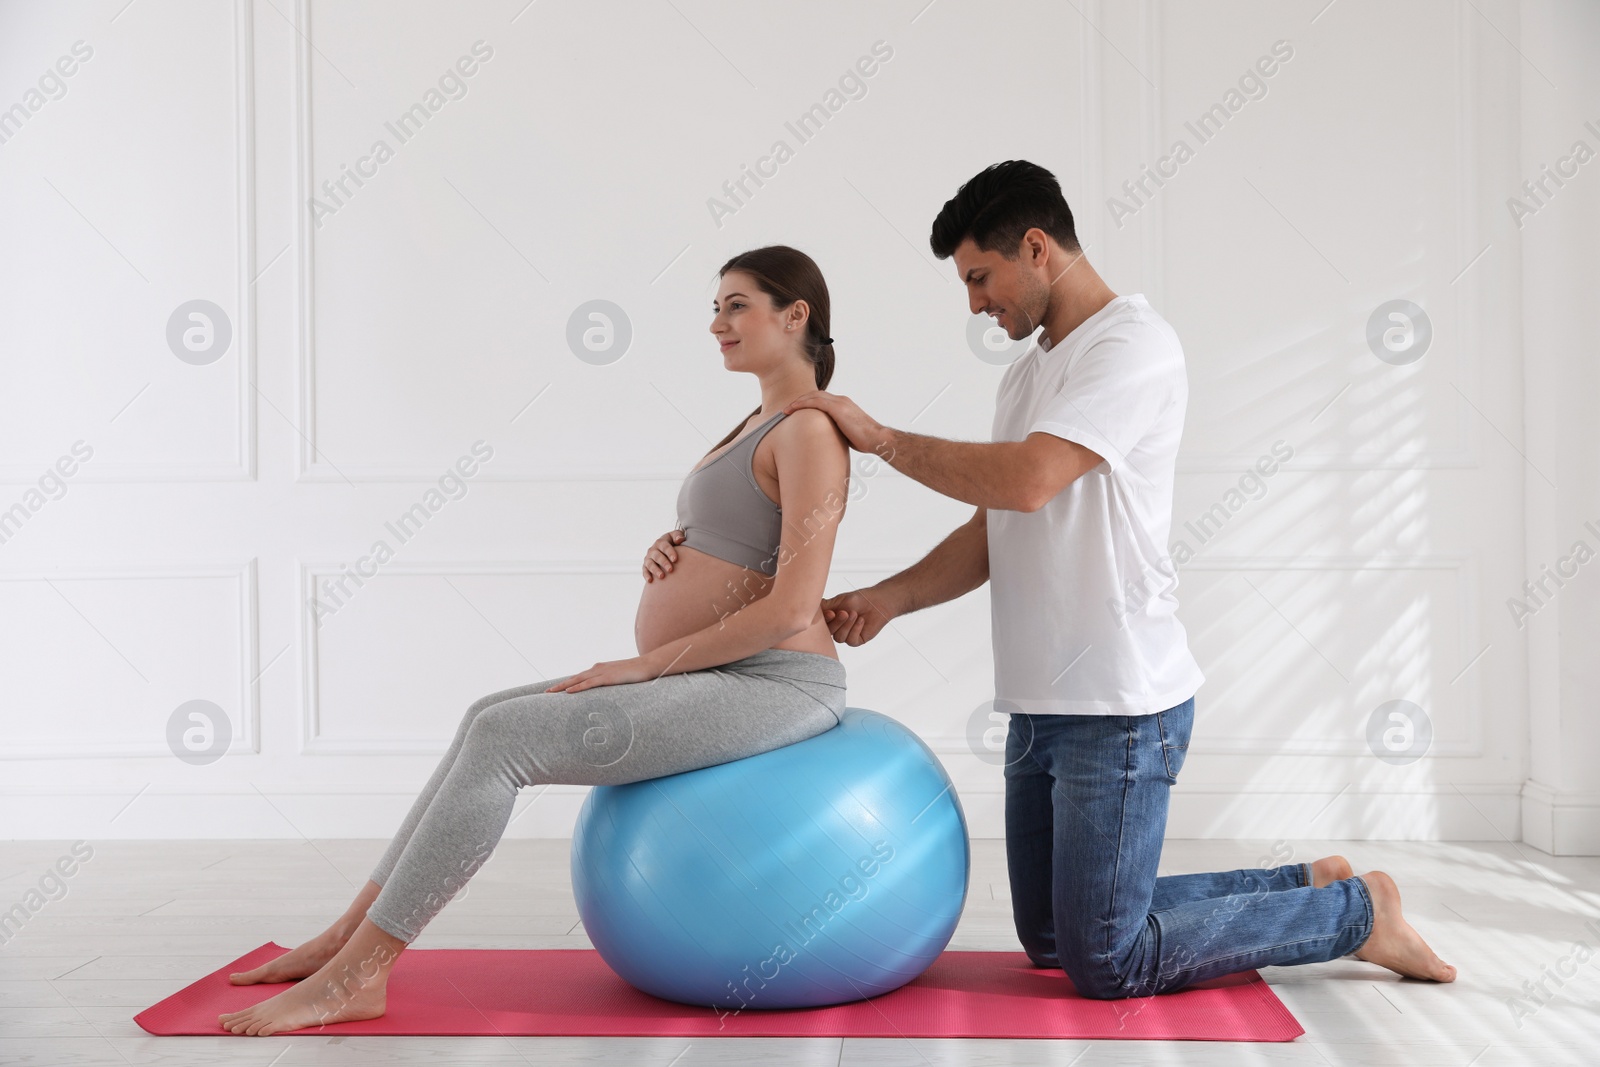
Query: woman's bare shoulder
point(807, 439)
point(812, 427)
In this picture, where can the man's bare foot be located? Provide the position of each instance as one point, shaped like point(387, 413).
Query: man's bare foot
point(351, 986)
point(1330, 869)
point(1393, 943)
point(297, 962)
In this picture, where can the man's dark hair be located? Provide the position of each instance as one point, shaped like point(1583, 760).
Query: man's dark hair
point(998, 205)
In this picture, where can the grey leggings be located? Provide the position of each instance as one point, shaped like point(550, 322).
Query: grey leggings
point(602, 736)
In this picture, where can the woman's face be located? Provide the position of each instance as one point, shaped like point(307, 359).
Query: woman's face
point(750, 331)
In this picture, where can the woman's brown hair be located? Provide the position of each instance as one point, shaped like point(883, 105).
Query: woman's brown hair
point(786, 275)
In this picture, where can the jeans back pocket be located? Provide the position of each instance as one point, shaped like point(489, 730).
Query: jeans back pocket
point(1175, 725)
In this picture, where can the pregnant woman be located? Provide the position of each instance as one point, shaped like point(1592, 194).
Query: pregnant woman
point(734, 656)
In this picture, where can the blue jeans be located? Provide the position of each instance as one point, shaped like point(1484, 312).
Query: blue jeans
point(1086, 811)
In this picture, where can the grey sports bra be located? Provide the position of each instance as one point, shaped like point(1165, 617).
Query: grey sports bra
point(724, 513)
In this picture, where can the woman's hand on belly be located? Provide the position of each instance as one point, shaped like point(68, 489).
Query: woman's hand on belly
point(659, 557)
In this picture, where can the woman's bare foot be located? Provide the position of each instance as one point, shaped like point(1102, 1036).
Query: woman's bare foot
point(1330, 869)
point(308, 958)
point(299, 962)
point(1393, 943)
point(350, 986)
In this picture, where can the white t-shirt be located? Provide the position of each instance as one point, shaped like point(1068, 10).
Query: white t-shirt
point(1082, 591)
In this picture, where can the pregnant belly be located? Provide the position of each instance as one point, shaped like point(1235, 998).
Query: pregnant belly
point(700, 591)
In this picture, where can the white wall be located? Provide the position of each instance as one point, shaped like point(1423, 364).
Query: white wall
point(1561, 273)
point(377, 337)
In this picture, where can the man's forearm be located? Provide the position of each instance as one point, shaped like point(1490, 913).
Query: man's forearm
point(996, 475)
point(956, 566)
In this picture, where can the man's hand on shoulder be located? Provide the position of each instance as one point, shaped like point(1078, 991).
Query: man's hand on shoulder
point(864, 433)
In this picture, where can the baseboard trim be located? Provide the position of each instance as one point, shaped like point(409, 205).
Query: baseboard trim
point(1560, 823)
point(1494, 812)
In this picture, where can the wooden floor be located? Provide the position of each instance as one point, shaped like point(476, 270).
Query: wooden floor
point(142, 919)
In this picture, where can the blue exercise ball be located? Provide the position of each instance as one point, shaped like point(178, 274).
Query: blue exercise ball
point(825, 871)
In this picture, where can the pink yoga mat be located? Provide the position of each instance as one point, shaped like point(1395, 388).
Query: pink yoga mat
point(571, 992)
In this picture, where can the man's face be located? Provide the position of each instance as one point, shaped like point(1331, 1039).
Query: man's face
point(1008, 289)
